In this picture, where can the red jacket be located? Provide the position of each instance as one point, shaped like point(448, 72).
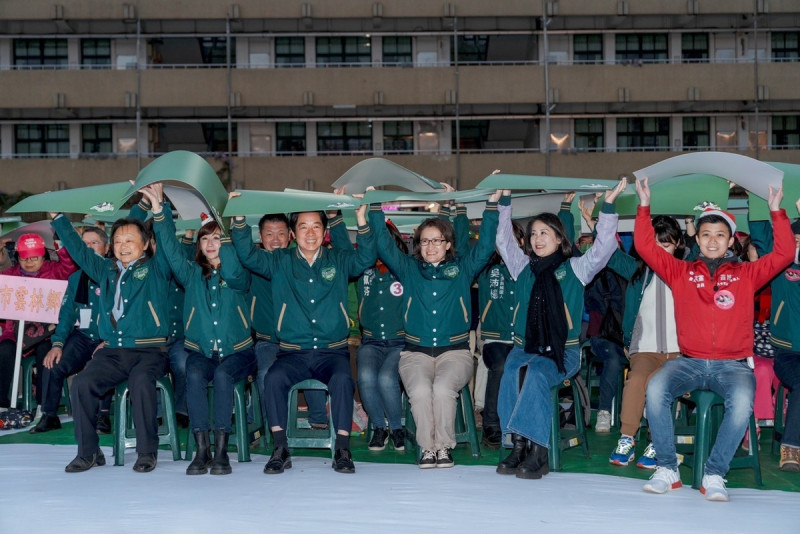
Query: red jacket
point(714, 315)
point(52, 270)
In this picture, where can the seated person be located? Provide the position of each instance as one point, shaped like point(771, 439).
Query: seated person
point(309, 286)
point(32, 263)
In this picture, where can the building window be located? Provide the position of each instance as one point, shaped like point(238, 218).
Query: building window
point(587, 48)
point(643, 133)
point(641, 47)
point(471, 49)
point(473, 135)
point(96, 53)
point(398, 137)
point(786, 132)
point(589, 134)
point(291, 137)
point(344, 137)
point(696, 133)
point(694, 47)
point(96, 139)
point(40, 52)
point(216, 136)
point(214, 50)
point(35, 140)
point(343, 50)
point(290, 51)
point(397, 51)
point(786, 46)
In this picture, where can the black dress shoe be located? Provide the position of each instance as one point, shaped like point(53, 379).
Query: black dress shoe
point(343, 461)
point(281, 459)
point(80, 464)
point(491, 438)
point(103, 425)
point(46, 424)
point(146, 462)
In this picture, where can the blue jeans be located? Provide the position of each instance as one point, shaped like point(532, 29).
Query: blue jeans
point(223, 374)
point(527, 409)
point(177, 364)
point(266, 354)
point(613, 359)
point(379, 381)
point(732, 380)
point(787, 368)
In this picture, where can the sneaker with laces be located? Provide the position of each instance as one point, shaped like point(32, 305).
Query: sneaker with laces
point(398, 437)
point(648, 459)
point(713, 487)
point(624, 452)
point(790, 459)
point(444, 458)
point(427, 460)
point(663, 480)
point(603, 423)
point(379, 438)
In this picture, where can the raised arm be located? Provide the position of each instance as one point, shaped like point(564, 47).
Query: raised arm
point(262, 262)
point(87, 259)
point(605, 243)
point(338, 232)
point(387, 250)
point(566, 217)
point(461, 230)
point(783, 252)
point(482, 252)
point(658, 259)
point(231, 269)
point(505, 241)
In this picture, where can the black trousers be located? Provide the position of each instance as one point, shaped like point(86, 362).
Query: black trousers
point(494, 357)
point(109, 368)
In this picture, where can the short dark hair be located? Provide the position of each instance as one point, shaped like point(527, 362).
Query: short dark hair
point(397, 236)
point(445, 227)
point(295, 215)
point(714, 219)
point(555, 224)
point(273, 217)
point(140, 226)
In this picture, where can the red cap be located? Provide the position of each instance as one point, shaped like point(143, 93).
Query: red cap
point(30, 246)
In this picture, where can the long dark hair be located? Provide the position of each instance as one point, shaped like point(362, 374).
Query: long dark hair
point(666, 230)
point(199, 257)
point(447, 231)
point(555, 224)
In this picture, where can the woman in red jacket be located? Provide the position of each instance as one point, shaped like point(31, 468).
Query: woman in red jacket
point(32, 263)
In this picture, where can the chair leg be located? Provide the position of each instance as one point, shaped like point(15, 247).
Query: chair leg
point(554, 458)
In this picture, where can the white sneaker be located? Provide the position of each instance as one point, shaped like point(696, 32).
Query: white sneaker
point(713, 487)
point(663, 480)
point(603, 423)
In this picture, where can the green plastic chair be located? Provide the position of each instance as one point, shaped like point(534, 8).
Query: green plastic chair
point(779, 420)
point(28, 398)
point(562, 438)
point(466, 430)
point(245, 393)
point(308, 438)
point(124, 431)
point(695, 441)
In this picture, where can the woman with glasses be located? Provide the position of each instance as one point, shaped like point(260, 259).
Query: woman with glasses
point(435, 362)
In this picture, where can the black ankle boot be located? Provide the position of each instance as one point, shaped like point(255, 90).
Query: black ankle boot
point(536, 465)
point(519, 452)
point(202, 458)
point(221, 465)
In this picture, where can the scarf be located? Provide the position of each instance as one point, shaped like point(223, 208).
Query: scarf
point(546, 328)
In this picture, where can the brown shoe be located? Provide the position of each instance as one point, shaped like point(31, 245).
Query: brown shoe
point(790, 459)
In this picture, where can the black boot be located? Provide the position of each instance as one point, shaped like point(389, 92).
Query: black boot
point(221, 465)
point(519, 452)
point(202, 458)
point(536, 464)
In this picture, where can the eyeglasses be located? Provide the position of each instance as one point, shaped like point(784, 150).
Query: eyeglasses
point(437, 242)
point(30, 259)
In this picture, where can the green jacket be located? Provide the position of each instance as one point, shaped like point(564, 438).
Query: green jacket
point(309, 301)
point(784, 329)
point(214, 308)
point(69, 315)
point(436, 299)
point(379, 294)
point(497, 300)
point(144, 288)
